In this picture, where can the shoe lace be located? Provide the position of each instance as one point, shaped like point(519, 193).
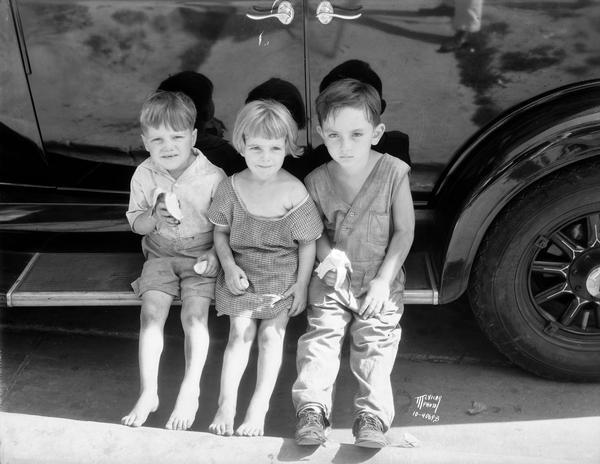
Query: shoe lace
point(310, 417)
point(369, 421)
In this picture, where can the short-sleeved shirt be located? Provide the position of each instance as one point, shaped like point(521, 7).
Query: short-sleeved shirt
point(364, 228)
point(194, 189)
point(265, 248)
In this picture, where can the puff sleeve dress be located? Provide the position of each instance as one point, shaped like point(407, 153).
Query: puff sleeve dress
point(265, 248)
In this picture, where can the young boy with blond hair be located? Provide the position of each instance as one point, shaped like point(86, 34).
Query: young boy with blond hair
point(171, 192)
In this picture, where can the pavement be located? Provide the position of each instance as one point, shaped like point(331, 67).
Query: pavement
point(68, 375)
point(34, 439)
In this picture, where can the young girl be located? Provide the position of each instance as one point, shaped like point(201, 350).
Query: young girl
point(266, 226)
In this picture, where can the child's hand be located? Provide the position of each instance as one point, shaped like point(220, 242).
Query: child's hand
point(162, 214)
point(236, 280)
point(377, 296)
point(300, 297)
point(212, 263)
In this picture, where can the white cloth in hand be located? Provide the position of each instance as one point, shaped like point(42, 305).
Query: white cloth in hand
point(337, 261)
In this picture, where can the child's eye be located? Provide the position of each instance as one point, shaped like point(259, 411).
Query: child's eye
point(357, 134)
point(332, 136)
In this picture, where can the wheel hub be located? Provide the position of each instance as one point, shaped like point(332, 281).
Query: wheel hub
point(584, 275)
point(592, 283)
point(564, 280)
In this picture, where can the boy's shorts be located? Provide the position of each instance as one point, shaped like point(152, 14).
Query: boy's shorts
point(169, 267)
point(174, 276)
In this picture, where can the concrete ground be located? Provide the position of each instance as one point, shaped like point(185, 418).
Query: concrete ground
point(67, 376)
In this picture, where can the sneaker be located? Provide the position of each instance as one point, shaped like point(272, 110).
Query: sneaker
point(368, 430)
point(310, 427)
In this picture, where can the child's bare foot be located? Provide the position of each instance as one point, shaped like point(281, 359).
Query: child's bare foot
point(253, 425)
point(222, 424)
point(184, 412)
point(146, 404)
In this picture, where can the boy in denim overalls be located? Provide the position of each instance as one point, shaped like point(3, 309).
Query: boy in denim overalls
point(364, 200)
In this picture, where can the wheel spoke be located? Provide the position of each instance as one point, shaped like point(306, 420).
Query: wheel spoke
point(567, 246)
point(572, 311)
point(585, 319)
point(593, 230)
point(551, 293)
point(550, 267)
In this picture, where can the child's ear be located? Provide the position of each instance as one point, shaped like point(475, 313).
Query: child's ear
point(320, 132)
point(378, 131)
point(194, 136)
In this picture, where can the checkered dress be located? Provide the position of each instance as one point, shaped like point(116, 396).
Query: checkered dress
point(265, 248)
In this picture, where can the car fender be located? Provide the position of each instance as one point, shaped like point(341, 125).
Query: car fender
point(522, 146)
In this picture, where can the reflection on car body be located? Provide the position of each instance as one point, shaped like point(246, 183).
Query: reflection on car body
point(504, 135)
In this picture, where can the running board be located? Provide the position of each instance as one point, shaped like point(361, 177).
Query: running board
point(421, 283)
point(104, 279)
point(77, 279)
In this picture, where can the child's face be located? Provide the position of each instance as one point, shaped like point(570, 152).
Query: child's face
point(348, 136)
point(264, 157)
point(169, 148)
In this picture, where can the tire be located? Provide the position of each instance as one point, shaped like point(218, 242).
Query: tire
point(535, 281)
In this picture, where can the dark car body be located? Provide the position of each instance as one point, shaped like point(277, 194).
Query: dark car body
point(519, 103)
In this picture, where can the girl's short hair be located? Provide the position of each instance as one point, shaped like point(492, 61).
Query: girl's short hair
point(349, 93)
point(171, 109)
point(268, 119)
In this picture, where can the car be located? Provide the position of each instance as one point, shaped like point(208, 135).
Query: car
point(504, 137)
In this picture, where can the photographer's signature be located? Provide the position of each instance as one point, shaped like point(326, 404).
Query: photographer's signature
point(426, 407)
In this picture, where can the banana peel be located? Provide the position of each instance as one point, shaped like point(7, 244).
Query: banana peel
point(171, 203)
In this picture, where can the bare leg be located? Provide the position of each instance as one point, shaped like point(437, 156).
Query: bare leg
point(194, 320)
point(242, 331)
point(155, 309)
point(270, 347)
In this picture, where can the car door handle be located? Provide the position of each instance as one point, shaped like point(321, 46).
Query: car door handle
point(326, 13)
point(285, 13)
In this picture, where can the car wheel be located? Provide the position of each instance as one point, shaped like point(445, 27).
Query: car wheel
point(535, 283)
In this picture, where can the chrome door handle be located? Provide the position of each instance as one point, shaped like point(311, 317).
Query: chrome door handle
point(285, 13)
point(325, 13)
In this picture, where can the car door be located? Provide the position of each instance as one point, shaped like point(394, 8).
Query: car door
point(94, 62)
point(422, 88)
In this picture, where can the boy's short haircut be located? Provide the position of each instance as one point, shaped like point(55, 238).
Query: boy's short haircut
point(199, 88)
point(355, 69)
point(349, 93)
point(285, 93)
point(172, 109)
point(268, 119)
